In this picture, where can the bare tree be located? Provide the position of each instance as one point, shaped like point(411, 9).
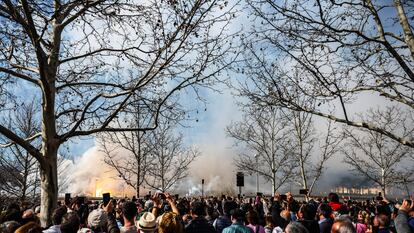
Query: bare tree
point(169, 160)
point(346, 51)
point(376, 156)
point(20, 170)
point(310, 152)
point(85, 60)
point(264, 137)
point(127, 153)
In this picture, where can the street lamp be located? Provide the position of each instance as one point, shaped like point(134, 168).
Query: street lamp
point(96, 186)
point(256, 156)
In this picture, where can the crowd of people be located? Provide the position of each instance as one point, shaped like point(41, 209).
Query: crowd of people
point(164, 213)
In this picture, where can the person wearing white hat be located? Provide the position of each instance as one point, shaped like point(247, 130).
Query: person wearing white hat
point(147, 223)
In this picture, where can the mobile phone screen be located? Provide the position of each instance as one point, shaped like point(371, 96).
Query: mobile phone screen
point(106, 197)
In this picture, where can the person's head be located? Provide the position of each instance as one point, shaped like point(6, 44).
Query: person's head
point(30, 227)
point(147, 223)
point(170, 223)
point(9, 226)
point(148, 204)
point(97, 220)
point(343, 226)
point(237, 215)
point(252, 217)
point(198, 208)
point(269, 221)
point(343, 218)
point(285, 214)
point(289, 197)
point(295, 227)
point(29, 216)
point(374, 221)
point(70, 223)
point(129, 210)
point(333, 197)
point(362, 217)
point(307, 212)
point(58, 214)
point(383, 221)
point(182, 207)
point(324, 210)
point(210, 211)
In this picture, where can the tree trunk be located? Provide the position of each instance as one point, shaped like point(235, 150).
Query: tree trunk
point(408, 34)
point(49, 192)
point(383, 189)
point(274, 182)
point(139, 158)
point(383, 182)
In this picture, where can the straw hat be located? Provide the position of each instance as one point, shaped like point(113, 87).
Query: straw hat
point(147, 222)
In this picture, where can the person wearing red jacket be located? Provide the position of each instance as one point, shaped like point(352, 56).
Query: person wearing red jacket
point(335, 205)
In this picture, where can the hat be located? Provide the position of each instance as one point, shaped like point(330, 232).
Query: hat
point(147, 222)
point(97, 218)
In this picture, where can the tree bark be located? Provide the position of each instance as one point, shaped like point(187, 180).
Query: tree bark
point(274, 177)
point(408, 34)
point(383, 182)
point(50, 146)
point(49, 190)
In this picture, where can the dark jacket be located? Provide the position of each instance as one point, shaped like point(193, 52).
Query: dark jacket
point(221, 222)
point(112, 225)
point(311, 225)
point(199, 225)
point(325, 225)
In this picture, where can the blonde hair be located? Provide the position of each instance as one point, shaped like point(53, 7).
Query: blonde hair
point(365, 217)
point(170, 223)
point(30, 227)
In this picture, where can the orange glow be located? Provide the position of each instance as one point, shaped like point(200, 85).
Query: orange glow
point(117, 188)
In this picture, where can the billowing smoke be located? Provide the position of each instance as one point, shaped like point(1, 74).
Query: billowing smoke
point(91, 176)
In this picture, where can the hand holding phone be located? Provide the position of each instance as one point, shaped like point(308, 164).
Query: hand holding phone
point(106, 197)
point(162, 196)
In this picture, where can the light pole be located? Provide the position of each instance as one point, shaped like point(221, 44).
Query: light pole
point(202, 187)
point(256, 156)
point(96, 186)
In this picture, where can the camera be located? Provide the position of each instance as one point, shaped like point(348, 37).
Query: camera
point(162, 196)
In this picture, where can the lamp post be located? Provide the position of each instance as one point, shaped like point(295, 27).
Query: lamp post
point(256, 156)
point(96, 186)
point(202, 187)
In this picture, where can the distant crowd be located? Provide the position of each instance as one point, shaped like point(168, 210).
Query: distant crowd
point(164, 213)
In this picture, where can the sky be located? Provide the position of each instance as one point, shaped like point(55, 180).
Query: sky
point(215, 164)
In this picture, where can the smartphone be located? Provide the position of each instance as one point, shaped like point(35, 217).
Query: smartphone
point(162, 196)
point(303, 191)
point(67, 198)
point(106, 197)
